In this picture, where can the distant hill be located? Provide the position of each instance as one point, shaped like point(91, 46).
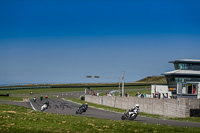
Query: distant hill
point(142, 82)
point(153, 79)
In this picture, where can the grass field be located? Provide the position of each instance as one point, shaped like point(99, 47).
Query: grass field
point(17, 95)
point(51, 90)
point(38, 91)
point(11, 98)
point(34, 122)
point(14, 119)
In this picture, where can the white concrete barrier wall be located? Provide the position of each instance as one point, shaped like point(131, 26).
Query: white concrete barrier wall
point(167, 107)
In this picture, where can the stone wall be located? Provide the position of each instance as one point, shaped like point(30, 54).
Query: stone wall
point(167, 107)
point(194, 105)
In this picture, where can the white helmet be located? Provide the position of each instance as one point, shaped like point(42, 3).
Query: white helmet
point(137, 106)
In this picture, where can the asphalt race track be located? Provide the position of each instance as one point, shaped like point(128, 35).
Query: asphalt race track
point(66, 107)
point(60, 106)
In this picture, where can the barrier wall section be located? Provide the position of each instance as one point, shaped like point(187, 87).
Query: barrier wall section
point(167, 107)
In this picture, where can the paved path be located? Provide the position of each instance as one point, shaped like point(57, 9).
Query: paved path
point(60, 106)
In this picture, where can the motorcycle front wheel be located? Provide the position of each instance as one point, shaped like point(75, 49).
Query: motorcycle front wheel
point(133, 117)
point(123, 117)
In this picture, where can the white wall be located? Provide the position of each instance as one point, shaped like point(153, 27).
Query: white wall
point(163, 89)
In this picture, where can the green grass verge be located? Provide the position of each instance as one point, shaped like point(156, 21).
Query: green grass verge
point(11, 98)
point(38, 91)
point(52, 90)
point(25, 92)
point(20, 119)
point(188, 119)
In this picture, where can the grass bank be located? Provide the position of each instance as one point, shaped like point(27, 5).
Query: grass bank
point(20, 119)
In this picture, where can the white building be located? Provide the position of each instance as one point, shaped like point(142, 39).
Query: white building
point(183, 82)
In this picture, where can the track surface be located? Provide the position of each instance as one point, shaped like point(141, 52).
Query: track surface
point(60, 106)
point(66, 107)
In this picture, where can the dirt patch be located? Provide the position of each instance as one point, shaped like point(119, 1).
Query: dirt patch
point(25, 99)
point(14, 112)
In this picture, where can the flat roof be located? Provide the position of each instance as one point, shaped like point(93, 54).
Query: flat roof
point(186, 61)
point(183, 72)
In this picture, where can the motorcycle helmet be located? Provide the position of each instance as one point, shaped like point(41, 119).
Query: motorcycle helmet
point(137, 106)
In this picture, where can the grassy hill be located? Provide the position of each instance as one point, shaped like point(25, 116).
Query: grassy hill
point(153, 79)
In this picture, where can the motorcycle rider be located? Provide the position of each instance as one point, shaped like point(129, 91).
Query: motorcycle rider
point(84, 107)
point(131, 113)
point(47, 103)
point(45, 106)
point(134, 109)
point(34, 99)
point(41, 98)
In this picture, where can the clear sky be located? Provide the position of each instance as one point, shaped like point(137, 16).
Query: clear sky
point(61, 41)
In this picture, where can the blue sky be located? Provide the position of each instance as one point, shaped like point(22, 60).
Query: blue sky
point(63, 41)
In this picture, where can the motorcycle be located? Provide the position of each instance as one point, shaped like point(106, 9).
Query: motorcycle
point(130, 115)
point(79, 111)
point(34, 99)
point(82, 109)
point(44, 106)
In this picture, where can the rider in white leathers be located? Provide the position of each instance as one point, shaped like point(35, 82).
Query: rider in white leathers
point(134, 109)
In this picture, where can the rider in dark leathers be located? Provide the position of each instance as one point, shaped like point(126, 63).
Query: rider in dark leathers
point(82, 108)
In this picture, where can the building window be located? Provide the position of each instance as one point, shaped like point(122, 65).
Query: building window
point(176, 66)
point(189, 89)
point(184, 89)
point(194, 89)
point(182, 80)
point(171, 80)
point(183, 66)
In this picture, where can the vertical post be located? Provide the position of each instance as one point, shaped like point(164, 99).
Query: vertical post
point(119, 86)
point(119, 83)
point(123, 84)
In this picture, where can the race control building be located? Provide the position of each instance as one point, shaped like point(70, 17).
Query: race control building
point(183, 82)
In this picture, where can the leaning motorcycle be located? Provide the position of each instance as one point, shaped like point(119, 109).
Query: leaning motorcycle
point(79, 111)
point(82, 109)
point(44, 106)
point(130, 115)
point(34, 99)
